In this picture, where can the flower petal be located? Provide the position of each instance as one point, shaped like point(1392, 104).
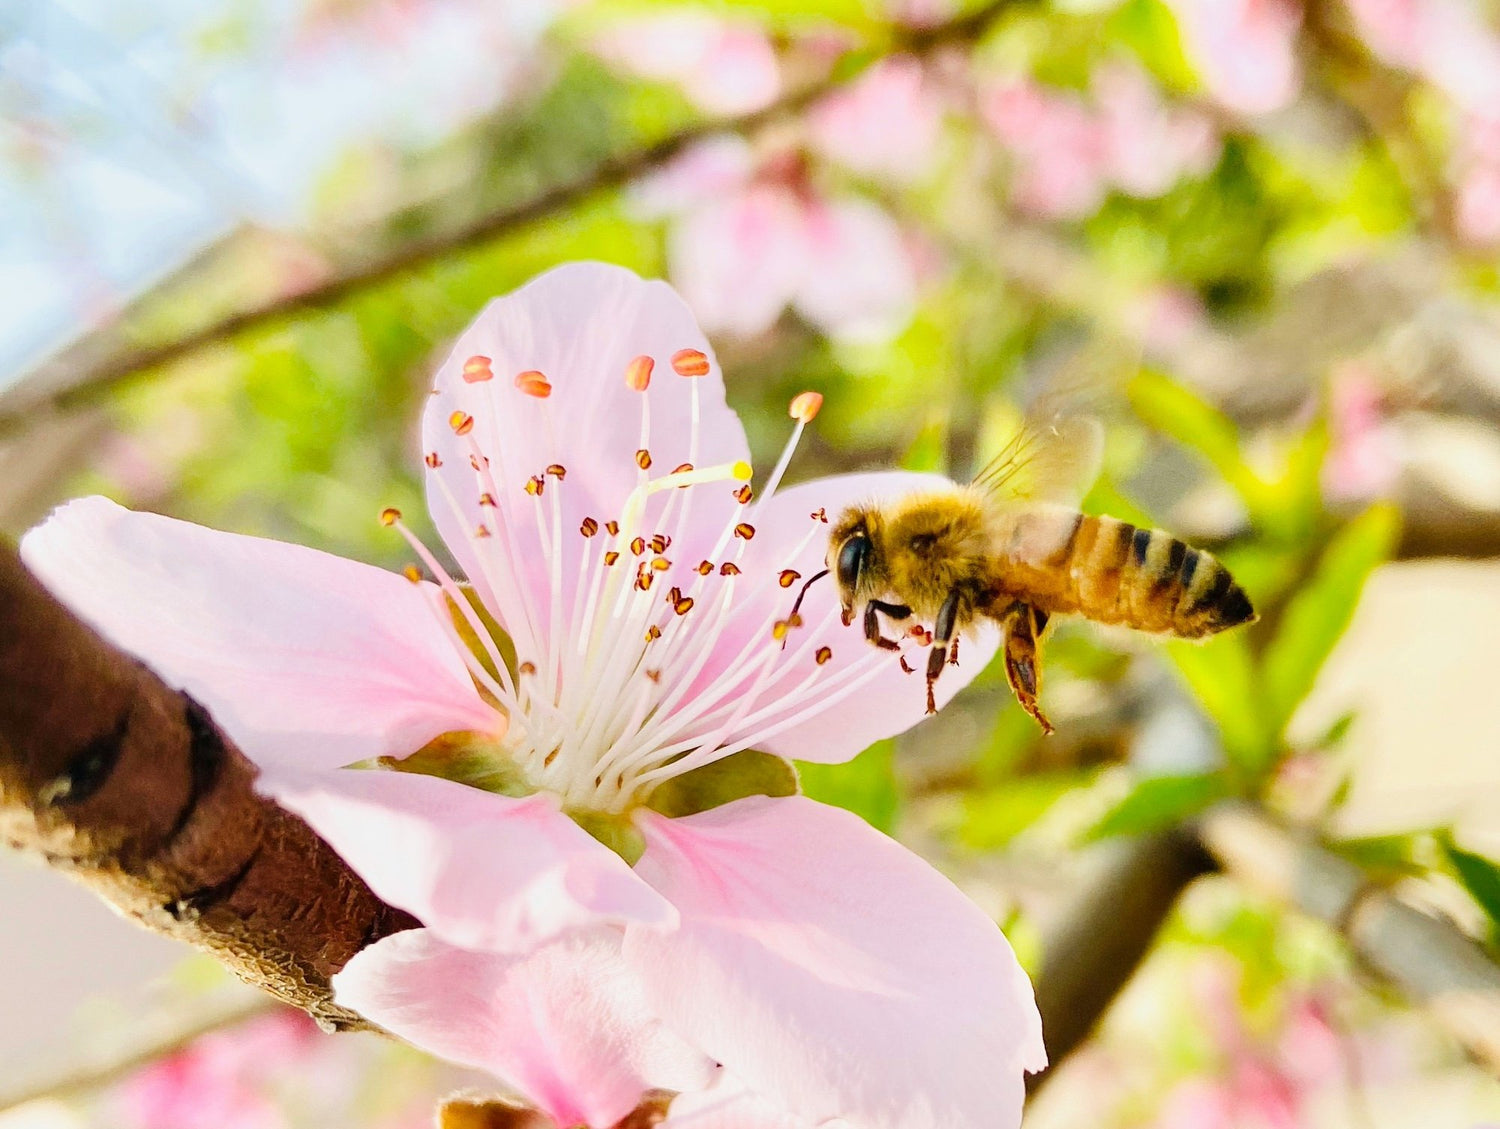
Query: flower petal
point(567, 1025)
point(800, 708)
point(480, 870)
point(726, 1105)
point(861, 282)
point(833, 971)
point(307, 660)
point(579, 326)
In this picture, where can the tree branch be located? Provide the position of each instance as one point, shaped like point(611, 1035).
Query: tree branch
point(78, 376)
point(1429, 961)
point(129, 786)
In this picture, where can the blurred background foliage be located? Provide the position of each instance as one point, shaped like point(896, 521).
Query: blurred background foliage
point(1257, 237)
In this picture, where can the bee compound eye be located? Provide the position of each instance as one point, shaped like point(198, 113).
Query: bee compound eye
point(852, 555)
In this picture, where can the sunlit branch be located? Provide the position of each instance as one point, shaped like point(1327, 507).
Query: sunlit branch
point(130, 788)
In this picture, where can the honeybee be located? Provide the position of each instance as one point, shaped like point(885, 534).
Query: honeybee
point(1012, 547)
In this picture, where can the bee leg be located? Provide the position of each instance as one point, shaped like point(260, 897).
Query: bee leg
point(942, 634)
point(872, 622)
point(1022, 658)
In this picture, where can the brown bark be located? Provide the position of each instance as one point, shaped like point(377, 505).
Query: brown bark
point(129, 786)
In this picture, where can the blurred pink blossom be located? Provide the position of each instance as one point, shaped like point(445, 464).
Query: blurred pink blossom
point(218, 1081)
point(1447, 42)
point(575, 941)
point(1364, 459)
point(724, 67)
point(1071, 151)
point(752, 235)
point(886, 124)
point(1244, 50)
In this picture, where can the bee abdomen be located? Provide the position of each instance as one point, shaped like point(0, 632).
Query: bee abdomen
point(1149, 580)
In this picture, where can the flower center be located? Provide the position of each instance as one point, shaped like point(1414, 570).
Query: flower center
point(633, 682)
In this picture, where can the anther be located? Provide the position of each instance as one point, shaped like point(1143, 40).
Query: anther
point(729, 568)
point(682, 468)
point(653, 633)
point(589, 527)
point(659, 543)
point(654, 675)
point(611, 557)
point(389, 516)
point(486, 499)
point(705, 567)
point(432, 460)
point(643, 459)
point(557, 471)
point(674, 594)
point(613, 528)
point(819, 514)
point(478, 463)
point(477, 369)
point(637, 545)
point(683, 606)
point(690, 362)
point(744, 530)
point(744, 494)
point(481, 530)
point(643, 580)
point(412, 573)
point(823, 655)
point(661, 564)
point(779, 629)
point(526, 668)
point(535, 484)
point(788, 577)
point(638, 373)
point(461, 422)
point(805, 406)
point(533, 383)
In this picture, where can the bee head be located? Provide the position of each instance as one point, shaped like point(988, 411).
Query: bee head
point(851, 552)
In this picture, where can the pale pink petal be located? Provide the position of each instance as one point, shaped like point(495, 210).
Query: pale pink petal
point(480, 870)
point(567, 1025)
point(737, 260)
point(708, 171)
point(1245, 50)
point(307, 660)
point(580, 325)
point(727, 1105)
point(833, 971)
point(859, 694)
point(1197, 1104)
point(860, 281)
point(1478, 205)
point(1059, 148)
point(885, 124)
point(738, 73)
point(1149, 145)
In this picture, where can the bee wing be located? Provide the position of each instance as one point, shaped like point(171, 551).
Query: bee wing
point(1055, 459)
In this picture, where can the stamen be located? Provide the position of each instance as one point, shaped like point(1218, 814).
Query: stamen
point(389, 516)
point(643, 459)
point(557, 471)
point(744, 530)
point(412, 573)
point(788, 577)
point(638, 373)
point(823, 655)
point(533, 383)
point(729, 568)
point(705, 567)
point(804, 406)
point(487, 499)
point(690, 362)
point(477, 369)
point(461, 422)
point(589, 527)
point(433, 460)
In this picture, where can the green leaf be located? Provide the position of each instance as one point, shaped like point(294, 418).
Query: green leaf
point(1183, 415)
point(1221, 675)
point(1320, 611)
point(1382, 857)
point(865, 786)
point(1480, 877)
point(1159, 802)
point(995, 816)
point(746, 773)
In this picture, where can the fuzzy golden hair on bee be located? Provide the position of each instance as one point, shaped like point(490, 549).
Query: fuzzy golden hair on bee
point(1004, 549)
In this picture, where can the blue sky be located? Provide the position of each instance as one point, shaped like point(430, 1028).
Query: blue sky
point(133, 133)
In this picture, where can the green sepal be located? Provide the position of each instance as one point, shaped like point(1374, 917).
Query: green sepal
point(746, 773)
point(465, 758)
point(616, 832)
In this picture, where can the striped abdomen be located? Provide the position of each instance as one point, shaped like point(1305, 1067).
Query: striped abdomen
point(1110, 571)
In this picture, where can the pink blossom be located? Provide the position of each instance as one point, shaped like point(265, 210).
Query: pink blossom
point(1447, 42)
point(1364, 459)
point(586, 474)
point(753, 236)
point(1071, 151)
point(1245, 50)
point(886, 124)
point(724, 67)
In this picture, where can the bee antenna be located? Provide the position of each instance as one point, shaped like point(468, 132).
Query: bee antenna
point(797, 603)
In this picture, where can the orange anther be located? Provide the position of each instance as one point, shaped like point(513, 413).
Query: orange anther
point(589, 527)
point(729, 568)
point(461, 422)
point(805, 406)
point(744, 494)
point(643, 459)
point(744, 530)
point(638, 373)
point(390, 516)
point(557, 471)
point(705, 567)
point(823, 655)
point(412, 573)
point(788, 577)
point(477, 369)
point(690, 362)
point(486, 499)
point(533, 383)
point(611, 557)
point(432, 460)
point(653, 633)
